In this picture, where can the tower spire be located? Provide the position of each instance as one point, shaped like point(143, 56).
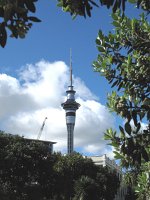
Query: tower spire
point(70, 106)
point(70, 67)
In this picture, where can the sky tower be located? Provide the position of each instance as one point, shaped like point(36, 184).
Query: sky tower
point(70, 106)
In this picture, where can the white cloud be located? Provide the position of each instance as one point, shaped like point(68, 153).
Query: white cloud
point(38, 93)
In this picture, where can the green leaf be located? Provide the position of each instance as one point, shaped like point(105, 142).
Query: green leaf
point(101, 49)
point(3, 35)
point(138, 127)
point(114, 144)
point(146, 101)
point(110, 134)
point(129, 60)
point(116, 6)
point(95, 4)
point(116, 24)
point(145, 155)
point(114, 16)
point(120, 85)
point(34, 19)
point(121, 129)
point(123, 7)
point(8, 11)
point(134, 116)
point(118, 155)
point(30, 5)
point(122, 132)
point(96, 65)
point(107, 136)
point(98, 42)
point(115, 83)
point(88, 9)
point(100, 34)
point(66, 9)
point(128, 128)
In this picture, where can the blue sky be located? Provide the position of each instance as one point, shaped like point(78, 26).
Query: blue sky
point(53, 38)
point(50, 41)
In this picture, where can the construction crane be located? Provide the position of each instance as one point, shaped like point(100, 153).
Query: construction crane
point(41, 129)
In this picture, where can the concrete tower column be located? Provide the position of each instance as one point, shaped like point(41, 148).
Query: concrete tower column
point(70, 106)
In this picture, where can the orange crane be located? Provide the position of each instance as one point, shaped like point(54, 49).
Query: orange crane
point(41, 129)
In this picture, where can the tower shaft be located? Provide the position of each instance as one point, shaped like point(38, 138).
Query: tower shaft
point(70, 106)
point(70, 142)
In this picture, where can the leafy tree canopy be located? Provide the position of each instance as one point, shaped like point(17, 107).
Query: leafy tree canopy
point(15, 17)
point(28, 171)
point(124, 57)
point(84, 7)
point(124, 61)
point(26, 168)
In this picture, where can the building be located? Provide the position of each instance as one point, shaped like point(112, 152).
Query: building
point(111, 164)
point(49, 144)
point(105, 161)
point(70, 106)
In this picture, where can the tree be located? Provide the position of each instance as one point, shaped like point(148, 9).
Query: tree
point(69, 169)
point(28, 172)
point(26, 169)
point(142, 187)
point(84, 7)
point(123, 60)
point(79, 178)
point(108, 183)
point(139, 182)
point(103, 186)
point(16, 19)
point(86, 189)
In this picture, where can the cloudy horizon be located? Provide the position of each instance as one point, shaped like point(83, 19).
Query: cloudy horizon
point(38, 92)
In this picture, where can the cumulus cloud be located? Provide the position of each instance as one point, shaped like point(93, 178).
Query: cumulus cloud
point(38, 93)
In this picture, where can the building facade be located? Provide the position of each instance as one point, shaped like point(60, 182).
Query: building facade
point(111, 164)
point(49, 144)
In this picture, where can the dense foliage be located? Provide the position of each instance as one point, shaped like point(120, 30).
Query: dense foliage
point(15, 17)
point(28, 171)
point(124, 57)
point(84, 7)
point(124, 61)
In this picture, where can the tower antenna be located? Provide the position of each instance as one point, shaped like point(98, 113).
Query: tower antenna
point(70, 67)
